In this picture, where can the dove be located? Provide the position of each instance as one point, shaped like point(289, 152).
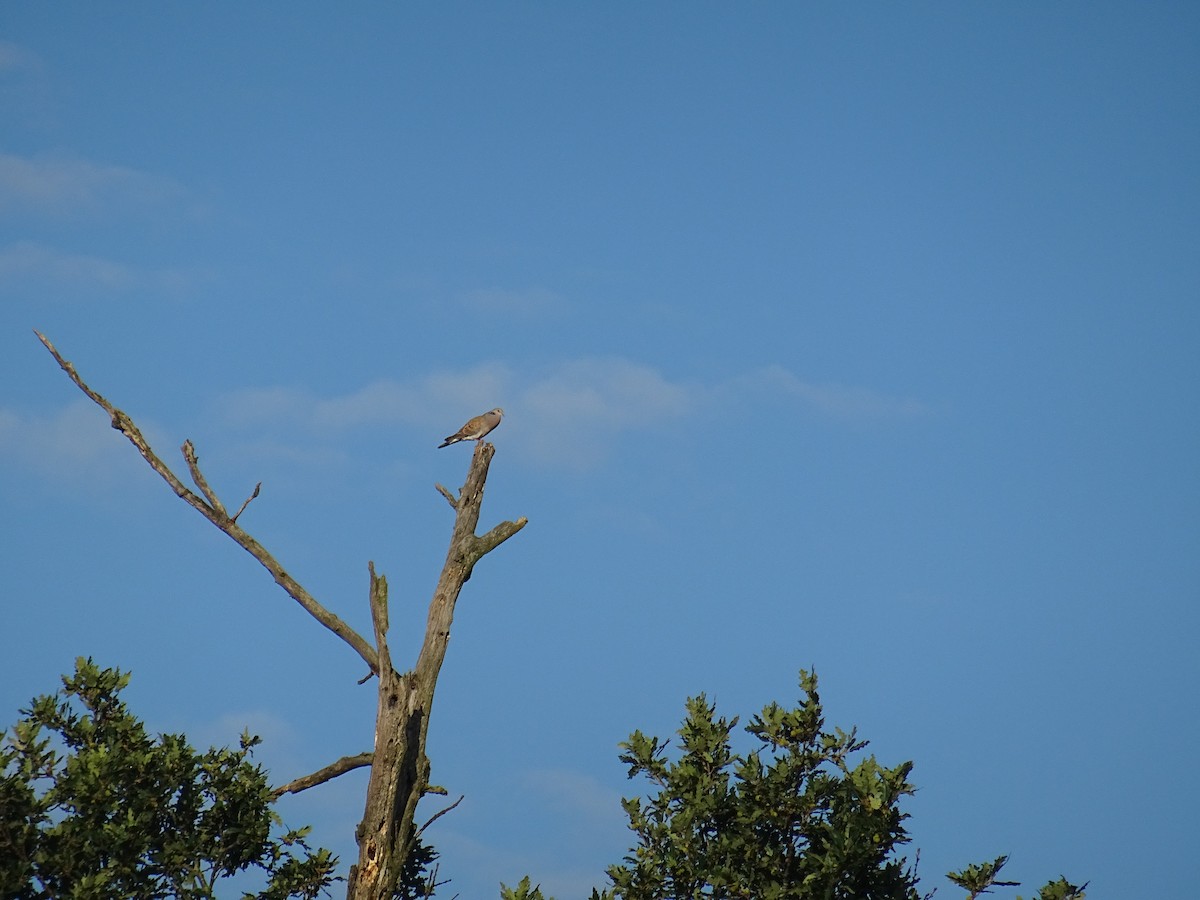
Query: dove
point(475, 429)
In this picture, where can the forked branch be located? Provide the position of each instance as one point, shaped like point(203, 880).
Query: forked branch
point(212, 509)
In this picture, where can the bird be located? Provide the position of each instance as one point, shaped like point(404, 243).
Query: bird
point(475, 429)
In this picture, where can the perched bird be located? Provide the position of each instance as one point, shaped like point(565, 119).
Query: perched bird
point(475, 429)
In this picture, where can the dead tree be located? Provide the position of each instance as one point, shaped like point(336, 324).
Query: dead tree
point(399, 766)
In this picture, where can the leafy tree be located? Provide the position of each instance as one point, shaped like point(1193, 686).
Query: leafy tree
point(791, 819)
point(91, 806)
point(802, 815)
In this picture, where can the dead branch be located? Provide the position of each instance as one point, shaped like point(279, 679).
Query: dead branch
point(441, 812)
point(242, 508)
point(498, 536)
point(193, 464)
point(379, 617)
point(214, 511)
point(450, 498)
point(330, 772)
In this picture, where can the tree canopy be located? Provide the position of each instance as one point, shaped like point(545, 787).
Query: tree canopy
point(803, 815)
point(91, 805)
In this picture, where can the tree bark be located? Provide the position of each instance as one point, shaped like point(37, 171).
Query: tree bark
point(400, 770)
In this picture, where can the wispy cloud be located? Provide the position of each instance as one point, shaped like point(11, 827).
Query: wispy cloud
point(582, 796)
point(534, 302)
point(577, 411)
point(570, 415)
point(595, 834)
point(73, 446)
point(843, 401)
point(15, 58)
point(285, 752)
point(30, 261)
point(32, 265)
point(54, 185)
point(500, 860)
point(422, 401)
point(26, 92)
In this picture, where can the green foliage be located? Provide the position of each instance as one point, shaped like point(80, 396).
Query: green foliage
point(1061, 890)
point(524, 891)
point(795, 818)
point(91, 806)
point(419, 876)
point(980, 878)
point(804, 816)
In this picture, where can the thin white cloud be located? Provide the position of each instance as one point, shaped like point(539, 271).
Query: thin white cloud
point(423, 402)
point(27, 94)
point(15, 58)
point(543, 865)
point(30, 261)
point(266, 406)
point(67, 185)
point(30, 265)
point(596, 834)
point(73, 446)
point(570, 415)
point(292, 452)
point(612, 393)
point(281, 753)
point(843, 401)
point(582, 796)
point(534, 302)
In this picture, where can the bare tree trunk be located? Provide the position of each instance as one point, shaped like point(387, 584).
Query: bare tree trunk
point(399, 766)
point(400, 771)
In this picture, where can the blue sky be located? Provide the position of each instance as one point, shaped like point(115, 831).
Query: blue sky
point(855, 337)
